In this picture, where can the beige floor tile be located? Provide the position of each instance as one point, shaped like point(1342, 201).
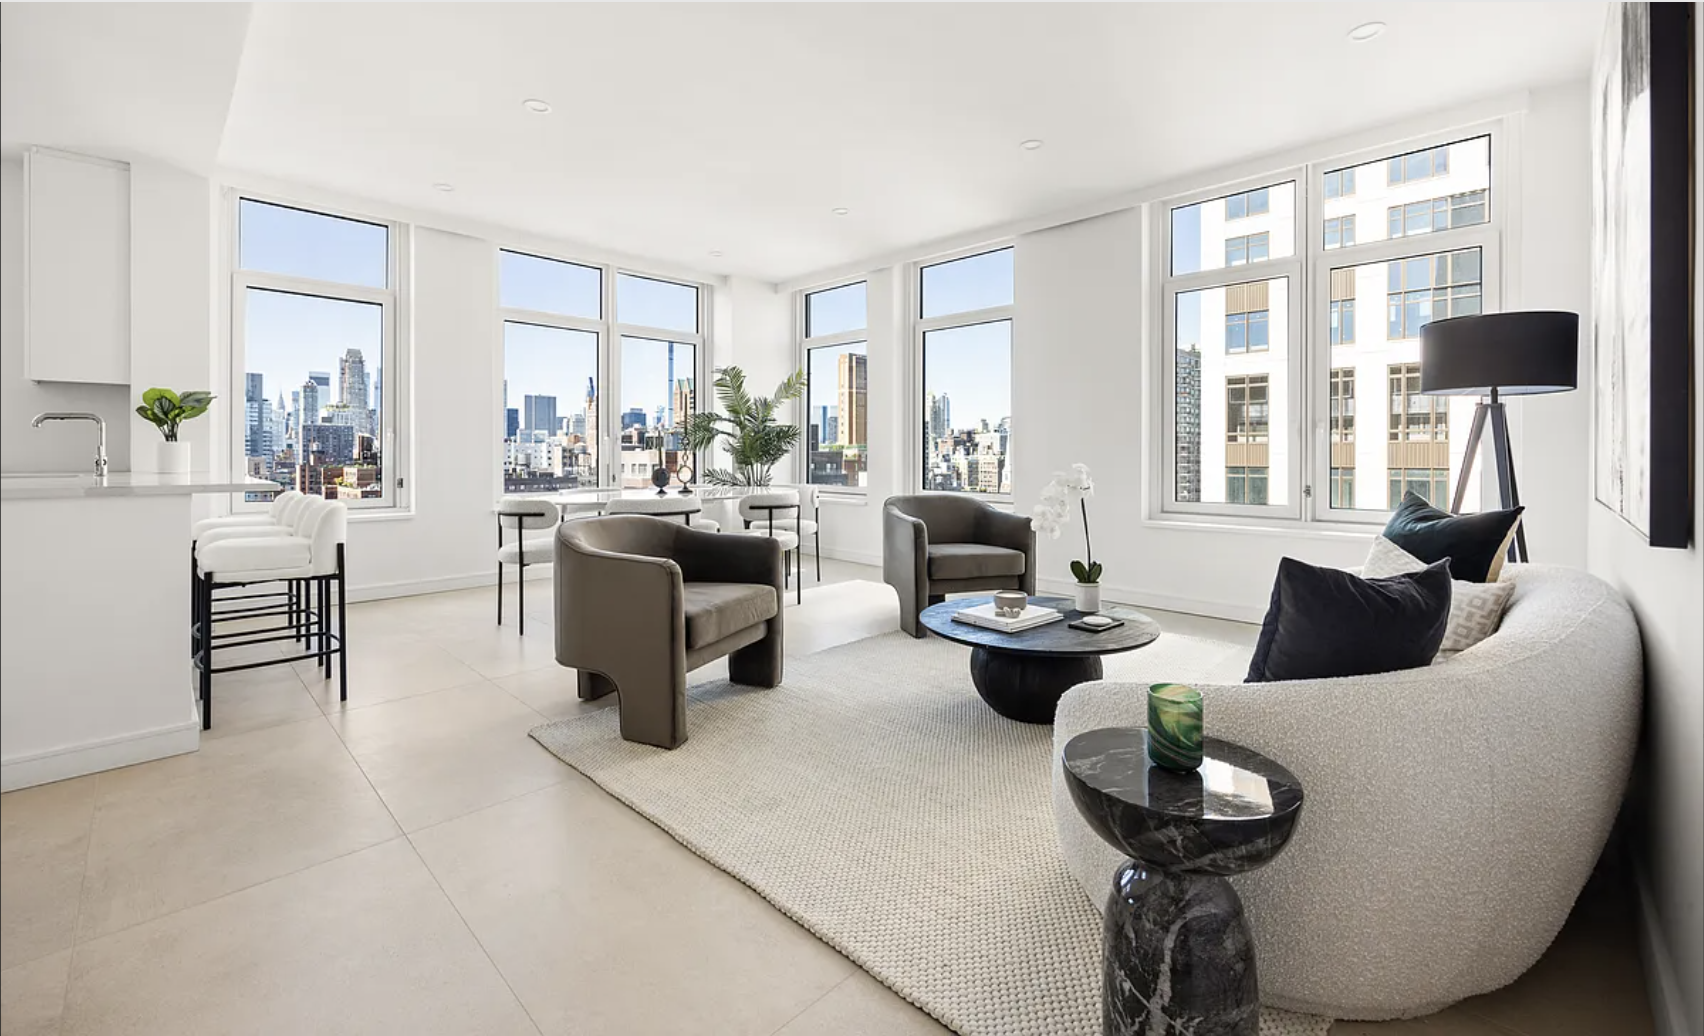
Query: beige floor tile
point(1589, 982)
point(440, 755)
point(603, 924)
point(363, 944)
point(1450, 1022)
point(552, 692)
point(493, 651)
point(862, 1006)
point(254, 699)
point(242, 810)
point(44, 841)
point(386, 669)
point(32, 996)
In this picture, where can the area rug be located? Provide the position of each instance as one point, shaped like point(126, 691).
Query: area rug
point(877, 801)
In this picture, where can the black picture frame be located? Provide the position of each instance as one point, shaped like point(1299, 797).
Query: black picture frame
point(1648, 200)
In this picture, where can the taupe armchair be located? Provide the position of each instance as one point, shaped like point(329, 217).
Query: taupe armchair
point(938, 544)
point(641, 602)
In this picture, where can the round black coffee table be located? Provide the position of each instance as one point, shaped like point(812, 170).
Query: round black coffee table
point(1023, 675)
point(1176, 944)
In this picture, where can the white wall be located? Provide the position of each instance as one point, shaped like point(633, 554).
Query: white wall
point(450, 539)
point(1666, 590)
point(60, 446)
point(1078, 391)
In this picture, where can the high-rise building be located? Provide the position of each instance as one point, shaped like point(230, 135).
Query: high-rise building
point(538, 414)
point(511, 422)
point(1187, 409)
point(852, 378)
point(592, 412)
point(684, 402)
point(940, 417)
point(633, 418)
point(308, 415)
point(353, 389)
point(254, 413)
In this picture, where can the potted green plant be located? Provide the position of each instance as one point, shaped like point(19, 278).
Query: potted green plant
point(166, 410)
point(754, 440)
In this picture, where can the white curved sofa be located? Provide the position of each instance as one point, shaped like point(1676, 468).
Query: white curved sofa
point(1452, 813)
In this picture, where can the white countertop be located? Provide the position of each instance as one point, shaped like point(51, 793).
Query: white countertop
point(65, 486)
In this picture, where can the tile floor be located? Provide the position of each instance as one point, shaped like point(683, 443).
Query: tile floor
point(412, 863)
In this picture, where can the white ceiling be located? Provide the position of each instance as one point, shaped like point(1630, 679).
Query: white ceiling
point(685, 128)
point(120, 80)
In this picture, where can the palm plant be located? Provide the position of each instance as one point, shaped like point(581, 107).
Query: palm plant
point(755, 441)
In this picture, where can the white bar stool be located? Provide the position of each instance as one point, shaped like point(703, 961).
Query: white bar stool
point(522, 514)
point(311, 556)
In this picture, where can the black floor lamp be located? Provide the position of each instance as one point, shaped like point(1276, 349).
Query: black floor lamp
point(1495, 355)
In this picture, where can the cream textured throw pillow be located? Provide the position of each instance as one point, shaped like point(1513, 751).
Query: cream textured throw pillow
point(1476, 609)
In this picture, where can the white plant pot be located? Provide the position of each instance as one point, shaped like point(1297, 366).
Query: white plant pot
point(1088, 597)
point(171, 458)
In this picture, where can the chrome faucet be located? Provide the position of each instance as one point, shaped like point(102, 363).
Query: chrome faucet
point(100, 432)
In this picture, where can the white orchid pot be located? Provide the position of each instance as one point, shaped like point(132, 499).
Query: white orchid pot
point(171, 458)
point(1088, 597)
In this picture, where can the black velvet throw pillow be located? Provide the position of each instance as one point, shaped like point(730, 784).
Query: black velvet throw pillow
point(1325, 622)
point(1474, 543)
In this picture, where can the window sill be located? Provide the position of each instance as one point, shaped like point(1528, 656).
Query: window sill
point(843, 499)
point(1340, 531)
point(387, 515)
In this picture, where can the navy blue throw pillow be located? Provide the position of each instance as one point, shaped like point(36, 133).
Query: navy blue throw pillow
point(1474, 543)
point(1325, 622)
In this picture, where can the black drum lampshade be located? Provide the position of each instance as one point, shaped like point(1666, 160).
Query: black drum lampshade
point(1515, 354)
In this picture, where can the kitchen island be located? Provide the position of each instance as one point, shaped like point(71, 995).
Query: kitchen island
point(95, 670)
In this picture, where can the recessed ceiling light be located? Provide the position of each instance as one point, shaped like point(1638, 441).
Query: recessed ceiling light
point(715, 254)
point(1032, 145)
point(536, 106)
point(1366, 31)
point(842, 211)
point(445, 187)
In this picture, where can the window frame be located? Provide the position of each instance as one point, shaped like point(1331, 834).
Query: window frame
point(919, 326)
point(802, 354)
point(395, 421)
point(611, 331)
point(1310, 366)
point(1173, 285)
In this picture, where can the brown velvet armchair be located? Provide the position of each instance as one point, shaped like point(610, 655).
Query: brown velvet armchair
point(641, 602)
point(938, 544)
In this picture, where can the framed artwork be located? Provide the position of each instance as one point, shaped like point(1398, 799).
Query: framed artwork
point(1642, 349)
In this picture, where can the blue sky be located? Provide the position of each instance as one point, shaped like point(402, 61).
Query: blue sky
point(289, 335)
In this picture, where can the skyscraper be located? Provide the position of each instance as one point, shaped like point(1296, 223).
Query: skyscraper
point(940, 418)
point(511, 422)
point(538, 414)
point(254, 413)
point(853, 417)
point(683, 406)
point(353, 389)
point(309, 414)
point(1188, 425)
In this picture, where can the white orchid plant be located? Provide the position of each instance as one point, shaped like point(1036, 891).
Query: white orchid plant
point(1069, 490)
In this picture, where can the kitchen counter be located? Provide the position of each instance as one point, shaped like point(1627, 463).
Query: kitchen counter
point(64, 485)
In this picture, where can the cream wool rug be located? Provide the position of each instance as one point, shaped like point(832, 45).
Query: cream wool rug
point(877, 801)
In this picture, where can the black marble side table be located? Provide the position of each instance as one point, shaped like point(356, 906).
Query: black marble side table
point(1176, 944)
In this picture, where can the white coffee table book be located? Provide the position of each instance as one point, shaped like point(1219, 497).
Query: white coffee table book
point(1031, 617)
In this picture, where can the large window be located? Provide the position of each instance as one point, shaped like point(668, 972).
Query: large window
point(837, 414)
point(1318, 358)
point(597, 382)
point(552, 335)
point(314, 351)
point(964, 340)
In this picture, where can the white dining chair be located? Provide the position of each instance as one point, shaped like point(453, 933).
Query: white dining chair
point(810, 503)
point(763, 514)
point(686, 508)
point(520, 515)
